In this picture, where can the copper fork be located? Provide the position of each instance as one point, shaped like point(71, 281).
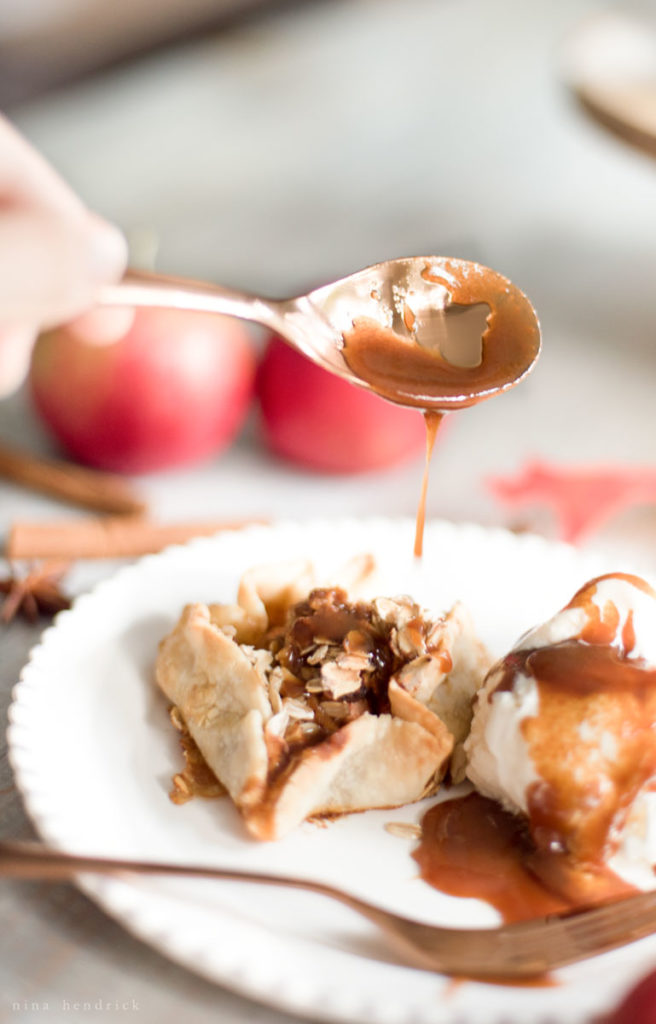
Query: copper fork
point(515, 951)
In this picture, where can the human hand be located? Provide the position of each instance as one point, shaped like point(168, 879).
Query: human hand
point(54, 257)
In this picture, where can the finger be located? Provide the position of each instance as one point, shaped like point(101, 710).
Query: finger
point(15, 349)
point(102, 326)
point(53, 268)
point(25, 176)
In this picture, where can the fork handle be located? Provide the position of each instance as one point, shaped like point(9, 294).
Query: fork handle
point(33, 861)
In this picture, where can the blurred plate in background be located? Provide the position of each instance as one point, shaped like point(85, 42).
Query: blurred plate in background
point(610, 63)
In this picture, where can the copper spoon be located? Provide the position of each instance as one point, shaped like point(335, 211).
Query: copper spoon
point(523, 950)
point(411, 296)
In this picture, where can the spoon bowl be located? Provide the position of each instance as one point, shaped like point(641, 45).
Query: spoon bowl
point(428, 331)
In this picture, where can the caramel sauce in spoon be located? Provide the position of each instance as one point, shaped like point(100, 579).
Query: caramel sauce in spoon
point(478, 341)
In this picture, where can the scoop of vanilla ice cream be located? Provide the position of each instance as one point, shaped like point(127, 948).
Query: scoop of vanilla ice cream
point(498, 760)
point(499, 755)
point(635, 856)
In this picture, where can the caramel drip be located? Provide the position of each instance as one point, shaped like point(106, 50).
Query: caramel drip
point(602, 624)
point(628, 633)
point(197, 779)
point(584, 794)
point(433, 420)
point(471, 847)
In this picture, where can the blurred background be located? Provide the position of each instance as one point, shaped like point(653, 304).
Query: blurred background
point(274, 146)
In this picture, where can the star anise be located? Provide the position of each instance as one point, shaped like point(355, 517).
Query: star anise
point(35, 593)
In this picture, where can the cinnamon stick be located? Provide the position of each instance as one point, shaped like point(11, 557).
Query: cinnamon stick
point(103, 492)
point(106, 537)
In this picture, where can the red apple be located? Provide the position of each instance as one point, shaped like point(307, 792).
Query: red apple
point(321, 421)
point(172, 390)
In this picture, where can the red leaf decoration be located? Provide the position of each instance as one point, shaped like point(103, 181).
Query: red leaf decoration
point(582, 499)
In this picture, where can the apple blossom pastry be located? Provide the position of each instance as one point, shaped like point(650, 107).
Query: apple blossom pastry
point(305, 701)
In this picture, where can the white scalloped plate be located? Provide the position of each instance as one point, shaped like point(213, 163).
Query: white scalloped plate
point(93, 754)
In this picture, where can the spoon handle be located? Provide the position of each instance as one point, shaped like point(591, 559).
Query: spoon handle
point(143, 289)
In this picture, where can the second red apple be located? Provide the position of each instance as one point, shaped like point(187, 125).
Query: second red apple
point(318, 420)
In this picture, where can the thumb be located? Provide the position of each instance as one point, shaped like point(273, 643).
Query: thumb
point(15, 349)
point(53, 266)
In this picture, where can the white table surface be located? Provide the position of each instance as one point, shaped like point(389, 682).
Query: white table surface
point(288, 152)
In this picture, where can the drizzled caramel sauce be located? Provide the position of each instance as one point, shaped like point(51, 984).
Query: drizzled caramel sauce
point(587, 786)
point(433, 420)
point(197, 779)
point(471, 847)
point(327, 617)
point(593, 747)
point(483, 340)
